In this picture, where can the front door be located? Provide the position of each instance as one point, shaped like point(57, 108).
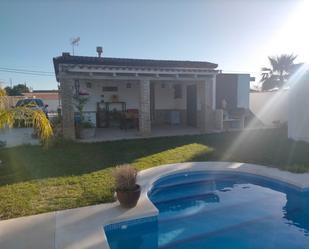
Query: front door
point(191, 105)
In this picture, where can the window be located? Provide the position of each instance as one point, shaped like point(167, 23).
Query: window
point(110, 89)
point(177, 91)
point(129, 85)
point(88, 85)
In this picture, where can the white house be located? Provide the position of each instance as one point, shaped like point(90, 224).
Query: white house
point(148, 94)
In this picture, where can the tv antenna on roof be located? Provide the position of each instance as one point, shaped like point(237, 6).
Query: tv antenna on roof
point(74, 42)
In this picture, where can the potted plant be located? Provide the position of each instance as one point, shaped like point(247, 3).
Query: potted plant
point(128, 192)
point(83, 128)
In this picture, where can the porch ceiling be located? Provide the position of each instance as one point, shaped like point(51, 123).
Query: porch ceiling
point(111, 72)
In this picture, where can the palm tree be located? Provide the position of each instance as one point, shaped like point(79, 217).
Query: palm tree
point(29, 117)
point(282, 67)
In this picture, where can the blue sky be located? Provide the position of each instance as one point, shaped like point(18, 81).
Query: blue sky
point(238, 35)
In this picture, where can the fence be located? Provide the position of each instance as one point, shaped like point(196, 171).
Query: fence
point(270, 107)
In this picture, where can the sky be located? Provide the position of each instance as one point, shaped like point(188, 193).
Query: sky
point(236, 34)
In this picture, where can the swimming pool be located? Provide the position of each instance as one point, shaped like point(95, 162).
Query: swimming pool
point(218, 210)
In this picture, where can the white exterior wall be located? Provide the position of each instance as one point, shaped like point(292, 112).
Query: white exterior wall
point(298, 115)
point(164, 96)
point(243, 89)
point(270, 107)
point(53, 104)
point(128, 95)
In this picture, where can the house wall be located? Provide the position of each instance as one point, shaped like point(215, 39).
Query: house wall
point(270, 107)
point(53, 104)
point(226, 88)
point(298, 115)
point(165, 96)
point(96, 93)
point(243, 90)
point(165, 102)
point(234, 88)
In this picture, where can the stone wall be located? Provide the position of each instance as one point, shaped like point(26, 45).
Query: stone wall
point(144, 110)
point(66, 95)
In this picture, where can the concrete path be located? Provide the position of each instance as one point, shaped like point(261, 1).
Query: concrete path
point(82, 228)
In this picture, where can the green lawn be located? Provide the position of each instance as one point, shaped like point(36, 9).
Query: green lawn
point(35, 180)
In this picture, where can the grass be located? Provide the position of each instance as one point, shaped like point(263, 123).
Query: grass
point(68, 175)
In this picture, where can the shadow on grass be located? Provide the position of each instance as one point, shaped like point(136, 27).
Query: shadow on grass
point(267, 147)
point(80, 174)
point(26, 163)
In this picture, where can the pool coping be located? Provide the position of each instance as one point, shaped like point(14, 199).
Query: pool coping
point(84, 227)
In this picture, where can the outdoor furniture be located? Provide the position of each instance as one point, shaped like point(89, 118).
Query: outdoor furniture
point(129, 119)
point(110, 115)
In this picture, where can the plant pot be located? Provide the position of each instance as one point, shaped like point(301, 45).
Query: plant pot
point(129, 198)
point(87, 133)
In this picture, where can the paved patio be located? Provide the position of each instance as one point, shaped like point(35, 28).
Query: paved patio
point(111, 134)
point(82, 228)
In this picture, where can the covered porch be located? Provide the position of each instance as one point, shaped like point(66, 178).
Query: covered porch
point(129, 102)
point(127, 109)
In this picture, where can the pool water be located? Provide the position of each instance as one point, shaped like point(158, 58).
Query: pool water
point(218, 210)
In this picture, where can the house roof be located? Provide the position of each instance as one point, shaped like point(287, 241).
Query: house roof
point(125, 62)
point(45, 91)
point(45, 95)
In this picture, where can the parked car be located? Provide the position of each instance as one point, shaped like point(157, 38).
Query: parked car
point(36, 104)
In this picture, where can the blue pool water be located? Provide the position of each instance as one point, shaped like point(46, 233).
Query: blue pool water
point(218, 210)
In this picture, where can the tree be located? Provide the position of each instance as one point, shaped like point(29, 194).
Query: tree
point(17, 90)
point(282, 67)
point(29, 117)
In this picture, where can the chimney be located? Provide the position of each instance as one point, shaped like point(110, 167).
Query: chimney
point(65, 54)
point(99, 51)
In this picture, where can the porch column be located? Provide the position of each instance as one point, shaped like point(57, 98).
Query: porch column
point(68, 128)
point(208, 104)
point(144, 109)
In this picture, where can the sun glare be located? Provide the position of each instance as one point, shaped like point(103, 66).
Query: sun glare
point(293, 37)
